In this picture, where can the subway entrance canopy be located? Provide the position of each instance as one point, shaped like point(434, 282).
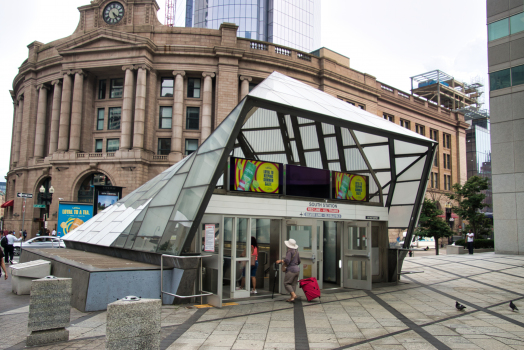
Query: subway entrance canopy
point(280, 120)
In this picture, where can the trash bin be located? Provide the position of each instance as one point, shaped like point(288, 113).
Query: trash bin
point(23, 274)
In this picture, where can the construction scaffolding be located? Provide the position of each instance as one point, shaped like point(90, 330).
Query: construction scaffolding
point(443, 90)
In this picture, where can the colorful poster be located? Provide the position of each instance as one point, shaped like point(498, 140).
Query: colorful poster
point(351, 187)
point(255, 176)
point(72, 215)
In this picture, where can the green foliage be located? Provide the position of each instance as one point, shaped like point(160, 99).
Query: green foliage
point(430, 225)
point(469, 198)
point(478, 243)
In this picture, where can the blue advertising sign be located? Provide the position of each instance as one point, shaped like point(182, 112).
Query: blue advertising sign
point(72, 215)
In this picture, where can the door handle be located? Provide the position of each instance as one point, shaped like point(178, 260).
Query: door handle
point(313, 258)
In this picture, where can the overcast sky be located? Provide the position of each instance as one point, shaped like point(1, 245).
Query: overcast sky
point(391, 40)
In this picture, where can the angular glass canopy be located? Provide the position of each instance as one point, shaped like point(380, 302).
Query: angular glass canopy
point(281, 120)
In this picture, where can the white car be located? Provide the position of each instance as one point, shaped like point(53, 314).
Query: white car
point(39, 242)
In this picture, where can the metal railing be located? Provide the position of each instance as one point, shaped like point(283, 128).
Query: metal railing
point(203, 293)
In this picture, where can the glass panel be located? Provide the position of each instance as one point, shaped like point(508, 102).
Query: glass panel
point(405, 192)
point(403, 163)
point(117, 87)
point(517, 75)
point(400, 216)
point(203, 168)
point(100, 119)
point(242, 235)
point(364, 138)
point(188, 203)
point(415, 172)
point(517, 23)
point(99, 145)
point(301, 234)
point(499, 29)
point(132, 235)
point(220, 136)
point(356, 238)
point(193, 87)
point(402, 147)
point(260, 229)
point(378, 157)
point(174, 237)
point(152, 229)
point(499, 80)
point(102, 89)
point(169, 194)
point(154, 190)
point(228, 234)
point(189, 161)
point(121, 240)
point(363, 271)
point(166, 89)
point(112, 145)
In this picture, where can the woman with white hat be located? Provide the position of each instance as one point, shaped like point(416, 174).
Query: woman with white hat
point(291, 262)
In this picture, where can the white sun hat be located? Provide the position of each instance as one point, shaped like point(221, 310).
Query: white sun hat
point(291, 243)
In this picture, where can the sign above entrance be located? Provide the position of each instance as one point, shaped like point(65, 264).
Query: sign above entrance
point(373, 217)
point(255, 176)
point(24, 195)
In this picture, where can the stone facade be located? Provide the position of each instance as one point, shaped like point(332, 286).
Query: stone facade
point(61, 118)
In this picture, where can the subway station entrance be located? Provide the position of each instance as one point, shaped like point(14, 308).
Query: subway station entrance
point(338, 253)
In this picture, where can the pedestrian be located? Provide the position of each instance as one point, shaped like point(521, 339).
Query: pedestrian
point(470, 236)
point(10, 250)
point(254, 267)
point(292, 269)
point(53, 233)
point(25, 235)
point(2, 265)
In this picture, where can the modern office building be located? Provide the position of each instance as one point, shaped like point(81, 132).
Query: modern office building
point(505, 20)
point(117, 103)
point(291, 23)
point(478, 151)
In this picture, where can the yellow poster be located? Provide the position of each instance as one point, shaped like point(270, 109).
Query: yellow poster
point(351, 187)
point(256, 176)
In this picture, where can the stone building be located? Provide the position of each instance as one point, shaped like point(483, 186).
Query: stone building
point(124, 97)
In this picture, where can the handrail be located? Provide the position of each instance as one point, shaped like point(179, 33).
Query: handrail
point(203, 293)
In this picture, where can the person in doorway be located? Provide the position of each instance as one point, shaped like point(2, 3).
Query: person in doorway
point(470, 236)
point(292, 262)
point(10, 250)
point(2, 265)
point(254, 267)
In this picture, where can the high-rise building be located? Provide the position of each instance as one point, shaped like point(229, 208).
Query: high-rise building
point(505, 20)
point(292, 23)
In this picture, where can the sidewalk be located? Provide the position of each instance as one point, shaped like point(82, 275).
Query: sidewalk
point(419, 313)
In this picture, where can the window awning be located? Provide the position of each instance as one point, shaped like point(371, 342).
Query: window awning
point(7, 204)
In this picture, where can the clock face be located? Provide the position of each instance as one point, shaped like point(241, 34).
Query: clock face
point(113, 13)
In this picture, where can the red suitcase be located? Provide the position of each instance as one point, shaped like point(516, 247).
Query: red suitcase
point(310, 288)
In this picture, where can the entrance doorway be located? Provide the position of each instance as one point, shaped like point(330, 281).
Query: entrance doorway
point(356, 252)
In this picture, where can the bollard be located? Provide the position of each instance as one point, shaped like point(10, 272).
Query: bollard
point(133, 323)
point(49, 311)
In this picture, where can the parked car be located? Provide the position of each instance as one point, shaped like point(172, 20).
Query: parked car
point(39, 242)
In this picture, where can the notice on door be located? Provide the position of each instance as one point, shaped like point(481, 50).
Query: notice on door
point(209, 244)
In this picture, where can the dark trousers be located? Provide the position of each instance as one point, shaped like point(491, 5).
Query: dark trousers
point(470, 247)
point(9, 252)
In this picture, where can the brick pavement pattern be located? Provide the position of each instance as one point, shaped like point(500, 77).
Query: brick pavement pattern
point(418, 313)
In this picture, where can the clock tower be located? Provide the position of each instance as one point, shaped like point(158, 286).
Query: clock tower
point(124, 15)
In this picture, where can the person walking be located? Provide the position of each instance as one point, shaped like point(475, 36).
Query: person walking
point(470, 236)
point(2, 265)
point(292, 269)
point(254, 267)
point(10, 249)
point(24, 235)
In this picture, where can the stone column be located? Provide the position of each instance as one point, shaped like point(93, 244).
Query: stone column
point(140, 107)
point(55, 116)
point(76, 111)
point(41, 121)
point(206, 107)
point(244, 88)
point(178, 116)
point(126, 122)
point(65, 113)
point(18, 130)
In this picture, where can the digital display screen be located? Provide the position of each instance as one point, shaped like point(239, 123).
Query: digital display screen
point(255, 176)
point(351, 187)
point(307, 182)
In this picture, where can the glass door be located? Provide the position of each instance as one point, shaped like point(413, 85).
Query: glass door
point(241, 257)
point(212, 267)
point(356, 253)
point(304, 232)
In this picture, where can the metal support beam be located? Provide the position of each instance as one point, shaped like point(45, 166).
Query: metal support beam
point(285, 138)
point(393, 167)
point(248, 151)
point(298, 140)
point(322, 145)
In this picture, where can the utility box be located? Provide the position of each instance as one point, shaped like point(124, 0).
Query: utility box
point(23, 274)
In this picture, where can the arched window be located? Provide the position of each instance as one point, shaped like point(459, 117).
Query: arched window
point(86, 190)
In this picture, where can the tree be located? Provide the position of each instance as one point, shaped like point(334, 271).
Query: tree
point(430, 225)
point(469, 198)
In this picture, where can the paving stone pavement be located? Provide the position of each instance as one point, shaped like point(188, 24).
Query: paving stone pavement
point(418, 313)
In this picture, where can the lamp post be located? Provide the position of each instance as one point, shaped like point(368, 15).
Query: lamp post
point(46, 197)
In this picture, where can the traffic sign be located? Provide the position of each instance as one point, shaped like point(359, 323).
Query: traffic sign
point(24, 195)
point(38, 205)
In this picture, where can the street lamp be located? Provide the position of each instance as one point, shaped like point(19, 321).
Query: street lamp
point(46, 197)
